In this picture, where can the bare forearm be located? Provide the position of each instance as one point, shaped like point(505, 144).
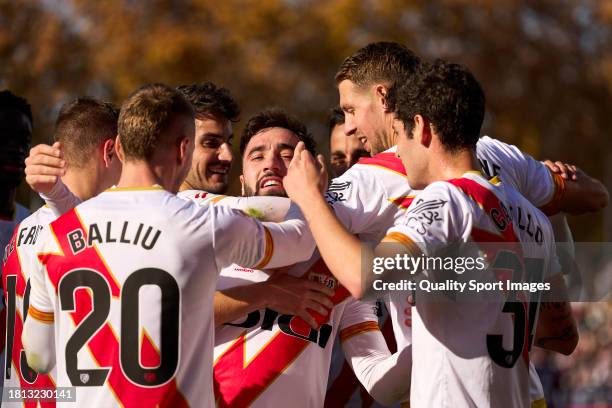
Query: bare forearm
point(340, 250)
point(234, 303)
point(585, 194)
point(558, 330)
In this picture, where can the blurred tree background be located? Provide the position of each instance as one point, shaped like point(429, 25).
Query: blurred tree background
point(545, 65)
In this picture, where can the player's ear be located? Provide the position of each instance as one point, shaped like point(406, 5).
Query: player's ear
point(108, 152)
point(184, 150)
point(382, 92)
point(242, 185)
point(422, 130)
point(119, 149)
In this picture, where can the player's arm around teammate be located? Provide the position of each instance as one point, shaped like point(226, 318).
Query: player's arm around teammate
point(583, 193)
point(283, 293)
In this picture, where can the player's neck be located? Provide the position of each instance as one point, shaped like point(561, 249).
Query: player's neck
point(390, 139)
point(7, 202)
point(138, 174)
point(81, 184)
point(451, 165)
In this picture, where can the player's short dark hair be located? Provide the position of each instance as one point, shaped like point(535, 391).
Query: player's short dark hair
point(82, 126)
point(145, 115)
point(10, 101)
point(379, 62)
point(336, 117)
point(448, 96)
point(276, 117)
point(209, 99)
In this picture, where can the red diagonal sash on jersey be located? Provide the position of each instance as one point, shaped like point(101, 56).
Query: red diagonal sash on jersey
point(104, 345)
point(238, 383)
point(488, 200)
point(387, 160)
point(402, 202)
point(13, 267)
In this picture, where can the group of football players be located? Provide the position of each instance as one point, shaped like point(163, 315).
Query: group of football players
point(144, 285)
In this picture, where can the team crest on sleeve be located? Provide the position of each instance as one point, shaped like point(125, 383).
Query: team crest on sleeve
point(424, 213)
point(337, 191)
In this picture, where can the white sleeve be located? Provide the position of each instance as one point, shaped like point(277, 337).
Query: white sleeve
point(528, 176)
point(39, 295)
point(38, 339)
point(60, 199)
point(367, 353)
point(358, 199)
point(38, 335)
point(435, 218)
point(264, 208)
point(385, 376)
point(245, 241)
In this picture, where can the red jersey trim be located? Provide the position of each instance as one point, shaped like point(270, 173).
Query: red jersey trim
point(386, 160)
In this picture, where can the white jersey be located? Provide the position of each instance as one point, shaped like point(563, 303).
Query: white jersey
point(20, 259)
point(470, 353)
point(251, 353)
point(150, 261)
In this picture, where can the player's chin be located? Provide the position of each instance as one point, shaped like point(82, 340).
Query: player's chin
point(216, 187)
point(272, 191)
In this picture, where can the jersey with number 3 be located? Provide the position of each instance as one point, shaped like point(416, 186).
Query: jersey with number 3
point(473, 353)
point(20, 259)
point(128, 282)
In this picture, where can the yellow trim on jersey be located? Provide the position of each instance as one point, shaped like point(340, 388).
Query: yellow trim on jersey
point(358, 328)
point(43, 317)
point(405, 240)
point(540, 403)
point(155, 187)
point(268, 251)
point(495, 180)
point(217, 199)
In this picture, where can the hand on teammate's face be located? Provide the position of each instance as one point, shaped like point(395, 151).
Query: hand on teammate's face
point(44, 166)
point(567, 171)
point(305, 176)
point(299, 297)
